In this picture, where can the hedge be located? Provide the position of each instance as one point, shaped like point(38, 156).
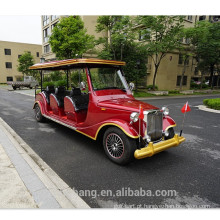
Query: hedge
point(212, 103)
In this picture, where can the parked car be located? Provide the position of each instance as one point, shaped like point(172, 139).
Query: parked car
point(29, 82)
point(103, 107)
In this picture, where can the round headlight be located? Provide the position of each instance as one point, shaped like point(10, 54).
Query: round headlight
point(134, 116)
point(148, 138)
point(166, 133)
point(165, 111)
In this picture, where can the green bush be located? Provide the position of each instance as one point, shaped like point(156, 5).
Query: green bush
point(55, 76)
point(212, 103)
point(60, 83)
point(150, 87)
point(47, 78)
point(45, 84)
point(194, 85)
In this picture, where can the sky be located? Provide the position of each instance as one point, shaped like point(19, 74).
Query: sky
point(20, 21)
point(21, 28)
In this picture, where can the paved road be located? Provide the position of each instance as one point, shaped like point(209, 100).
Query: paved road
point(191, 171)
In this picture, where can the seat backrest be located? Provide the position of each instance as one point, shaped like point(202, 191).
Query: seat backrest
point(50, 89)
point(59, 91)
point(80, 102)
point(47, 92)
point(75, 92)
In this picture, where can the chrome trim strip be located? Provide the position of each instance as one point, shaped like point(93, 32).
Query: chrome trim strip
point(59, 122)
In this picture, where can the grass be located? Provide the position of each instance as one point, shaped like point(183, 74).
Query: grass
point(143, 93)
point(212, 103)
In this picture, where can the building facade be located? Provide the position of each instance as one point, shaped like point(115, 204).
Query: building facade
point(171, 67)
point(48, 22)
point(9, 54)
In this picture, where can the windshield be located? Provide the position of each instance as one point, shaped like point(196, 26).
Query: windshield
point(107, 78)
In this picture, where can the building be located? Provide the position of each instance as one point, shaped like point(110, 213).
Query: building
point(9, 54)
point(170, 69)
point(48, 22)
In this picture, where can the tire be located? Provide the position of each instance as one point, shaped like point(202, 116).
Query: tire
point(171, 133)
point(38, 115)
point(30, 87)
point(14, 87)
point(118, 146)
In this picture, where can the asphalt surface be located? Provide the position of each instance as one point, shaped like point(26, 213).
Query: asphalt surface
point(191, 171)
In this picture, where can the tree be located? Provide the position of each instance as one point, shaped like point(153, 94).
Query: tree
point(69, 39)
point(119, 44)
point(206, 45)
point(165, 34)
point(24, 62)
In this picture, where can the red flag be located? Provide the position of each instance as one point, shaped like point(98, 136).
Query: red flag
point(185, 108)
point(141, 112)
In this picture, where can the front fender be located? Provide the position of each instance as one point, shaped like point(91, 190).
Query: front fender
point(94, 130)
point(168, 122)
point(41, 106)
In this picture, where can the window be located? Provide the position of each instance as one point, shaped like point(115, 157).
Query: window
point(53, 25)
point(187, 40)
point(180, 59)
point(216, 18)
point(45, 20)
point(46, 34)
point(201, 18)
point(8, 65)
point(196, 72)
point(9, 78)
point(47, 48)
point(179, 79)
point(189, 17)
point(19, 56)
point(37, 54)
point(144, 34)
point(53, 17)
point(7, 51)
point(183, 59)
point(187, 60)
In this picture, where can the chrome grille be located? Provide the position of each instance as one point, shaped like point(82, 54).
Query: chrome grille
point(155, 125)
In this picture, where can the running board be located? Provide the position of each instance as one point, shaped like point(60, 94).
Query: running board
point(59, 122)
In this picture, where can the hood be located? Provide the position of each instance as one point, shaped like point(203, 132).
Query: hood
point(126, 104)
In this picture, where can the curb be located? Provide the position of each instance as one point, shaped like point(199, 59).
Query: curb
point(175, 97)
point(204, 108)
point(62, 193)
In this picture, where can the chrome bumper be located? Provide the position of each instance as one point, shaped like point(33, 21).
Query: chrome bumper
point(152, 149)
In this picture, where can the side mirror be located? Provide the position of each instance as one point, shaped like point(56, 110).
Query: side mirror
point(82, 86)
point(131, 86)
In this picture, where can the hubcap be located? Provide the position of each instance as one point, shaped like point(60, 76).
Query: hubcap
point(114, 145)
point(37, 111)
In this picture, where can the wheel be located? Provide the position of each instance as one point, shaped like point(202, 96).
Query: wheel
point(118, 146)
point(30, 87)
point(171, 134)
point(39, 117)
point(14, 87)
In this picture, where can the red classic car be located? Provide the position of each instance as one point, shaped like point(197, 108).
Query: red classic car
point(100, 105)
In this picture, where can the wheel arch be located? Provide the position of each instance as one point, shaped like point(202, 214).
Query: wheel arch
point(128, 130)
point(40, 104)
